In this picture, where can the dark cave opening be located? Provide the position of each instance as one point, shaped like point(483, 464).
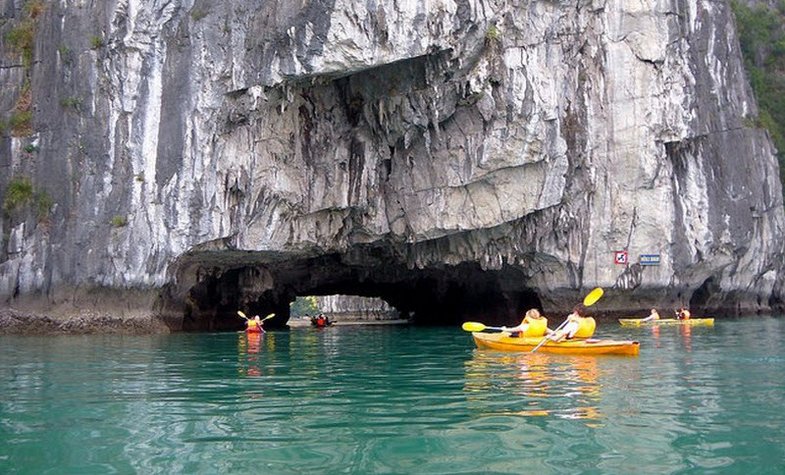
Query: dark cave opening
point(447, 295)
point(702, 297)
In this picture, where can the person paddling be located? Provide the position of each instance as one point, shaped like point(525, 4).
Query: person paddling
point(577, 326)
point(533, 324)
point(321, 321)
point(654, 315)
point(683, 314)
point(254, 325)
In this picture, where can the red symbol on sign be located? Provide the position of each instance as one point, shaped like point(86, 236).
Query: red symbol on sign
point(620, 257)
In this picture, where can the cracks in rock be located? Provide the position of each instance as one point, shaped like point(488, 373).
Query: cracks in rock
point(633, 223)
point(630, 278)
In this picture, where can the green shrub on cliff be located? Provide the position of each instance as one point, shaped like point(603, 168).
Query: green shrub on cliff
point(761, 30)
point(303, 306)
point(119, 221)
point(21, 195)
point(21, 123)
point(21, 38)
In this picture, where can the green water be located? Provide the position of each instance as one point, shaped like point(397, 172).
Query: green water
point(393, 400)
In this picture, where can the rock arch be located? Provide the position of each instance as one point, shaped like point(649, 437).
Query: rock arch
point(209, 287)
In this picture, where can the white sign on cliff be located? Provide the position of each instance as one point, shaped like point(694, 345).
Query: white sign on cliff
point(649, 259)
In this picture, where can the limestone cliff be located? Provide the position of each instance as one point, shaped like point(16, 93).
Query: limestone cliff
point(357, 309)
point(454, 157)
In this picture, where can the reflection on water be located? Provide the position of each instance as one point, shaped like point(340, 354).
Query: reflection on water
point(686, 333)
point(393, 400)
point(249, 345)
point(534, 384)
point(655, 334)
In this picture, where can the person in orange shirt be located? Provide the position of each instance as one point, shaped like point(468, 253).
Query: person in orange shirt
point(321, 321)
point(533, 324)
point(683, 314)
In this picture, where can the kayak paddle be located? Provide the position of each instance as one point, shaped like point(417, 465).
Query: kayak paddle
point(240, 312)
point(548, 336)
point(590, 299)
point(477, 327)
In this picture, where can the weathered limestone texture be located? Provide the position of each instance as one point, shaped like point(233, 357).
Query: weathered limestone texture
point(213, 155)
point(350, 308)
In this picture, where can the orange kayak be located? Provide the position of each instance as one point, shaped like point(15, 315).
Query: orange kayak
point(589, 346)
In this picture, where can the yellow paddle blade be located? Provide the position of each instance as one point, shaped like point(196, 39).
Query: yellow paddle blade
point(473, 327)
point(268, 317)
point(593, 296)
point(240, 312)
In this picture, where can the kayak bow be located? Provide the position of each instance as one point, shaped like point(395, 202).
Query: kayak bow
point(590, 346)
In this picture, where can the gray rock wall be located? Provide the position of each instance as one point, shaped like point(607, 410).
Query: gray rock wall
point(356, 309)
point(183, 137)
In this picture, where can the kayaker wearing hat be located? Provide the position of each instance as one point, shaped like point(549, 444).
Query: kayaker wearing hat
point(533, 324)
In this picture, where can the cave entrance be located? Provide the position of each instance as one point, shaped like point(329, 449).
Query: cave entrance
point(210, 294)
point(342, 309)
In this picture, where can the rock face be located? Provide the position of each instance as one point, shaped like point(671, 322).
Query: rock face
point(351, 308)
point(458, 158)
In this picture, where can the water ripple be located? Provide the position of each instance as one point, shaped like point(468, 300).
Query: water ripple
point(392, 400)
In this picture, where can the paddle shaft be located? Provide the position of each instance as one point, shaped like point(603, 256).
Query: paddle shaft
point(547, 337)
point(242, 314)
point(590, 299)
point(478, 327)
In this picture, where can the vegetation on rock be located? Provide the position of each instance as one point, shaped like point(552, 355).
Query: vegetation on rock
point(21, 194)
point(303, 306)
point(761, 30)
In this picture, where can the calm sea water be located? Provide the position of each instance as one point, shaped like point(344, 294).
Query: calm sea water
point(393, 400)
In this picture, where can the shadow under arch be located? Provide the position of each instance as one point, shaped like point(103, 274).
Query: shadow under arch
point(208, 286)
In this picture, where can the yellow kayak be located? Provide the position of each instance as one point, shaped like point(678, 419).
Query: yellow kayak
point(589, 346)
point(638, 322)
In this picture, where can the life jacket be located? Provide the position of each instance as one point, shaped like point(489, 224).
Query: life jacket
point(321, 321)
point(254, 327)
point(586, 327)
point(536, 326)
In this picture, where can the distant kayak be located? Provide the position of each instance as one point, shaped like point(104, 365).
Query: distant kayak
point(639, 322)
point(320, 321)
point(254, 330)
point(590, 346)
